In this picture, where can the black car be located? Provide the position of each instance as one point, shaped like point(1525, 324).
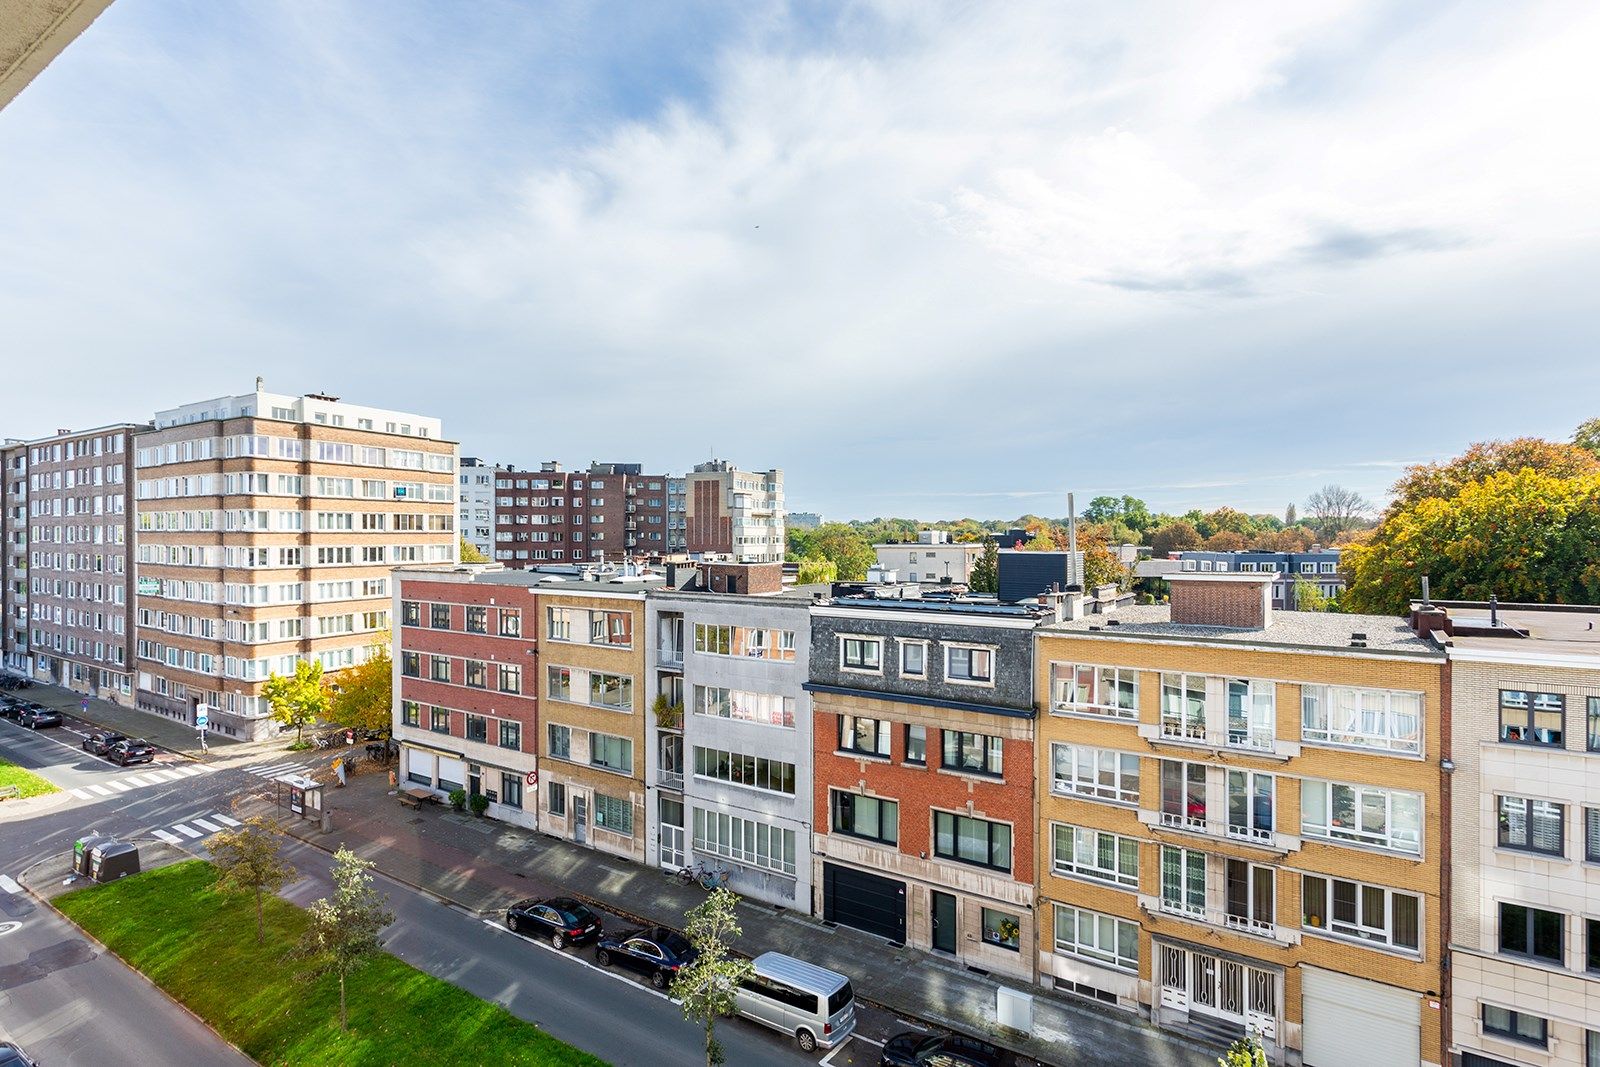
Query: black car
point(653, 951)
point(912, 1049)
point(563, 920)
point(13, 1056)
point(129, 751)
point(38, 716)
point(99, 742)
point(10, 706)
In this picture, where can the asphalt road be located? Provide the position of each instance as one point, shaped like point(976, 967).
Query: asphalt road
point(73, 1006)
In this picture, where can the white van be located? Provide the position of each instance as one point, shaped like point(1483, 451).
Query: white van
point(815, 1005)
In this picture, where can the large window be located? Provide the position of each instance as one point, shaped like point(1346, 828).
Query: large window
point(1087, 853)
point(869, 736)
point(1252, 798)
point(1365, 912)
point(1531, 932)
point(510, 734)
point(1183, 881)
point(1591, 945)
point(769, 709)
point(439, 720)
point(750, 641)
point(613, 813)
point(1362, 814)
point(1001, 929)
point(1532, 825)
point(477, 674)
point(1515, 1026)
point(756, 772)
point(969, 840)
point(477, 619)
point(1594, 724)
point(1383, 719)
point(1591, 834)
point(586, 627)
point(439, 668)
point(610, 752)
point(1183, 706)
point(510, 789)
point(410, 613)
point(871, 817)
point(1252, 713)
point(477, 728)
point(439, 616)
point(1183, 794)
point(560, 740)
point(744, 841)
point(1103, 938)
point(1528, 718)
point(973, 753)
point(594, 688)
point(1086, 689)
point(966, 663)
point(861, 654)
point(1099, 773)
point(917, 744)
point(410, 713)
point(411, 664)
point(1250, 897)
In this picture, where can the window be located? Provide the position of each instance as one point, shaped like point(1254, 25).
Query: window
point(1532, 718)
point(1183, 881)
point(1103, 938)
point(510, 734)
point(1531, 932)
point(1112, 691)
point(1591, 945)
point(861, 654)
point(560, 687)
point(1252, 713)
point(439, 668)
point(1076, 850)
point(756, 772)
point(1591, 834)
point(968, 840)
point(610, 752)
point(914, 658)
point(613, 691)
point(1594, 725)
point(917, 744)
point(560, 741)
point(1183, 794)
point(613, 813)
point(1251, 802)
point(873, 818)
point(1250, 893)
point(477, 620)
point(769, 709)
point(477, 674)
point(1002, 930)
point(963, 663)
point(1515, 1026)
point(411, 664)
point(439, 616)
point(1382, 719)
point(1532, 825)
point(869, 736)
point(440, 721)
point(1362, 814)
point(510, 622)
point(745, 841)
point(1099, 773)
point(972, 753)
point(510, 680)
point(1183, 706)
point(1365, 912)
point(556, 794)
point(410, 713)
point(477, 728)
point(511, 789)
point(410, 613)
point(744, 641)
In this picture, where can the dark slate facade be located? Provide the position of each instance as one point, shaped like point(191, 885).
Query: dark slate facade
point(1024, 575)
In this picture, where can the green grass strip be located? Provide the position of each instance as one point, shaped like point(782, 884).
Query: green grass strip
point(200, 946)
point(28, 783)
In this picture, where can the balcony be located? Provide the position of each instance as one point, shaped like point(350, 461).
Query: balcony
point(670, 656)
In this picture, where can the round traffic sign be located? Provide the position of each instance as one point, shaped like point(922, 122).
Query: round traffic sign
point(533, 777)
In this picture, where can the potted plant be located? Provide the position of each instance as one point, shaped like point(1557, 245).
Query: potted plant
point(478, 803)
point(458, 798)
point(1008, 931)
point(668, 716)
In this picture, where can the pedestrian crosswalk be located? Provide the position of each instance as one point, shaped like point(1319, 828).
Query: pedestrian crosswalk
point(277, 770)
point(208, 824)
point(151, 777)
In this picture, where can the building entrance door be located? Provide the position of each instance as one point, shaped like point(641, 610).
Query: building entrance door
point(580, 818)
point(944, 922)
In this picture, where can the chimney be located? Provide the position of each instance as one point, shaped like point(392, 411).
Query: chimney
point(261, 383)
point(1239, 601)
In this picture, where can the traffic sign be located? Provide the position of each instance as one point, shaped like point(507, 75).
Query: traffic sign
point(533, 777)
point(200, 718)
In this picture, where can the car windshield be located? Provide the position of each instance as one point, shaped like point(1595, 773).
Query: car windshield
point(576, 916)
point(928, 1047)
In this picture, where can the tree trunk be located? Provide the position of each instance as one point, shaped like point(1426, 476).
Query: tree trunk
point(711, 1041)
point(344, 1023)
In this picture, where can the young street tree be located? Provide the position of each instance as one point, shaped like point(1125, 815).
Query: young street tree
point(1333, 509)
point(298, 699)
point(985, 577)
point(707, 986)
point(364, 698)
point(344, 928)
point(248, 861)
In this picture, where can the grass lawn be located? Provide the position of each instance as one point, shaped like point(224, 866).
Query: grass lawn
point(30, 784)
point(200, 946)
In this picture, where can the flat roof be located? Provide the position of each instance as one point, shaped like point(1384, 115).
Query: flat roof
point(1291, 629)
point(1528, 630)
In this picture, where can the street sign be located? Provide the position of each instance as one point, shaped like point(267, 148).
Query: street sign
point(201, 718)
point(533, 777)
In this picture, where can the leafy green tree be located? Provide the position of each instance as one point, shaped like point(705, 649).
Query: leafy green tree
point(363, 696)
point(1247, 1051)
point(842, 546)
point(248, 860)
point(1136, 514)
point(470, 552)
point(1445, 480)
point(298, 699)
point(1103, 509)
point(1309, 597)
point(1176, 536)
point(985, 577)
point(1289, 515)
point(817, 572)
point(344, 928)
point(707, 986)
point(1587, 436)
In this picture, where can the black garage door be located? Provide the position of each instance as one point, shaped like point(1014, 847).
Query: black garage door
point(864, 901)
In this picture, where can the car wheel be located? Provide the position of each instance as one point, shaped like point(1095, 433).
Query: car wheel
point(659, 979)
point(807, 1040)
point(558, 940)
point(602, 957)
point(514, 924)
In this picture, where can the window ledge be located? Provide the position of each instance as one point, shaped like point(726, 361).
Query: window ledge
point(1343, 939)
point(850, 753)
point(1512, 851)
point(976, 776)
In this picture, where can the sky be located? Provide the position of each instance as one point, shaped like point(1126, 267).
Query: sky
point(931, 259)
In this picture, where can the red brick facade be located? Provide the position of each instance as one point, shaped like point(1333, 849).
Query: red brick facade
point(1230, 600)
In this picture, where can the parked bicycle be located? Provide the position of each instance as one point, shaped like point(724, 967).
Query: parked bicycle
point(691, 874)
point(712, 880)
point(705, 877)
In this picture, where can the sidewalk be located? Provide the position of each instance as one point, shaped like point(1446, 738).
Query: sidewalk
point(484, 865)
point(158, 730)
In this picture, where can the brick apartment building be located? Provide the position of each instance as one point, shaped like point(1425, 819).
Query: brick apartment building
point(466, 707)
point(612, 511)
point(266, 529)
point(1241, 822)
point(733, 512)
point(923, 746)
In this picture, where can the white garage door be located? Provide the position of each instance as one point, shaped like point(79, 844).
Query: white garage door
point(1351, 1022)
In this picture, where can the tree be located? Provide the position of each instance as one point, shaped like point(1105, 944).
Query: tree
point(1247, 1051)
point(1176, 536)
point(1445, 480)
point(1587, 436)
point(985, 577)
point(470, 552)
point(363, 697)
point(843, 547)
point(817, 572)
point(298, 699)
point(706, 987)
point(248, 861)
point(1103, 509)
point(344, 928)
point(1289, 515)
point(1334, 509)
point(1308, 597)
point(1525, 536)
point(1225, 541)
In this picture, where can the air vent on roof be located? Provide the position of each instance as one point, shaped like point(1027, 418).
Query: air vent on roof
point(1094, 627)
point(1113, 622)
point(1358, 644)
point(1358, 636)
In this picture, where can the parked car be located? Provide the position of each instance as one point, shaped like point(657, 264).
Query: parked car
point(13, 1056)
point(653, 951)
point(99, 742)
point(811, 1004)
point(37, 716)
point(912, 1049)
point(563, 920)
point(10, 706)
point(129, 751)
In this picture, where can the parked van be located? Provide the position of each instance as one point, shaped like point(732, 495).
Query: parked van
point(815, 1005)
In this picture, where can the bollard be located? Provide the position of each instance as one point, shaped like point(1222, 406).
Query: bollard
point(327, 822)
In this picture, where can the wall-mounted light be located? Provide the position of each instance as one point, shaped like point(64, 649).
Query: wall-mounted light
point(1447, 765)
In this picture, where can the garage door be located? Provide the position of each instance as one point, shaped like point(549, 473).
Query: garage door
point(864, 901)
point(1351, 1022)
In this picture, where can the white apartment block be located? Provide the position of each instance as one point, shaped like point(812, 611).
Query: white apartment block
point(931, 558)
point(476, 518)
point(736, 513)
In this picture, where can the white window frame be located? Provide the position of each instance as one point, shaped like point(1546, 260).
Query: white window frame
point(1354, 735)
point(907, 645)
point(951, 648)
point(1354, 836)
point(1066, 679)
point(1093, 950)
point(1085, 841)
point(845, 639)
point(1090, 788)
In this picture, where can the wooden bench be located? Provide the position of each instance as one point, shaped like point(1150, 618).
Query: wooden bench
point(10, 792)
point(409, 801)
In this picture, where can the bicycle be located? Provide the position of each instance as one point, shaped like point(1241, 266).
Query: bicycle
point(711, 880)
point(691, 874)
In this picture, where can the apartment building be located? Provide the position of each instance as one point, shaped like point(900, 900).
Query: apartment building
point(923, 749)
point(266, 528)
point(611, 511)
point(1242, 822)
point(591, 669)
point(1524, 866)
point(477, 494)
point(932, 557)
point(15, 655)
point(729, 759)
point(733, 512)
point(466, 708)
point(1319, 567)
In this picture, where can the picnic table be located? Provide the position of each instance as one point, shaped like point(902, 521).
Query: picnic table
point(417, 796)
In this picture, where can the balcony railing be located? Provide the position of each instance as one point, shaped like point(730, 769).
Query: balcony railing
point(670, 655)
point(1180, 821)
point(670, 780)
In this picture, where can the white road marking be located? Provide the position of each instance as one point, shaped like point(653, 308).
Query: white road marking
point(580, 961)
point(146, 779)
point(171, 839)
point(121, 787)
point(169, 776)
point(9, 885)
point(827, 1061)
point(224, 820)
point(190, 771)
point(81, 794)
point(101, 790)
point(185, 831)
point(208, 827)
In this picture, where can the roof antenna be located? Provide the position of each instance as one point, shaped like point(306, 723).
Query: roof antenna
point(1425, 601)
point(1494, 608)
